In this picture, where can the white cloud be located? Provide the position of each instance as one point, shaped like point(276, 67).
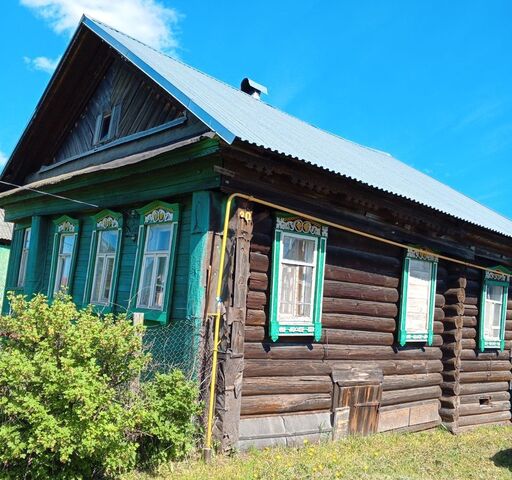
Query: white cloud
point(44, 64)
point(147, 20)
point(3, 159)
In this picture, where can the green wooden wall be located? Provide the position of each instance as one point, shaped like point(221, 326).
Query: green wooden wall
point(4, 261)
point(190, 183)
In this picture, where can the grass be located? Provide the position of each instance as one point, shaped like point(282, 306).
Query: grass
point(484, 453)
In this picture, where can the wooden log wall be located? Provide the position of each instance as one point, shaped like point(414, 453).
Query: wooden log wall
point(475, 384)
point(360, 318)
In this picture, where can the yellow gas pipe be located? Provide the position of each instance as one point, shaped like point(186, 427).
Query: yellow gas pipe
point(217, 314)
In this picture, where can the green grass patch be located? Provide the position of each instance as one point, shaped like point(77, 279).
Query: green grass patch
point(484, 453)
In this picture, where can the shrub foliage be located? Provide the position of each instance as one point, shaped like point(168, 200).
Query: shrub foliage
point(71, 404)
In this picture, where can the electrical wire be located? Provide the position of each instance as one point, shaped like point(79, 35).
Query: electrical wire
point(60, 197)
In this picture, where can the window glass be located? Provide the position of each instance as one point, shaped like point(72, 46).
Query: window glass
point(155, 265)
point(159, 238)
point(67, 243)
point(104, 267)
point(297, 278)
point(24, 257)
point(418, 295)
point(493, 311)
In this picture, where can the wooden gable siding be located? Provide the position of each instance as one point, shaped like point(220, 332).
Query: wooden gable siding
point(143, 106)
point(360, 318)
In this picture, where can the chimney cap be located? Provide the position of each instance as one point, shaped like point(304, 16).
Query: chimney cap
point(252, 88)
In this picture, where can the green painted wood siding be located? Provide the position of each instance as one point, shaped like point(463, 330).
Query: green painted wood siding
point(128, 252)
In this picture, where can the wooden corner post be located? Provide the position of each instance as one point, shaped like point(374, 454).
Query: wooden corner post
point(231, 348)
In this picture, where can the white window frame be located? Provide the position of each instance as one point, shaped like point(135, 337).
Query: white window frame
point(103, 279)
point(155, 255)
point(282, 261)
point(25, 247)
point(405, 333)
point(58, 267)
point(499, 280)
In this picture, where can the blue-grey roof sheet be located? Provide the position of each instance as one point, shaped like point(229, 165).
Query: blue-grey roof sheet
point(233, 114)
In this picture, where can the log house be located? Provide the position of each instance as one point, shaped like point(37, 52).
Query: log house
point(370, 298)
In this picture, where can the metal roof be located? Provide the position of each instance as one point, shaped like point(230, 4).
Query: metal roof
point(233, 114)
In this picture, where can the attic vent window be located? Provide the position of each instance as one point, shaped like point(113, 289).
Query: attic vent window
point(106, 125)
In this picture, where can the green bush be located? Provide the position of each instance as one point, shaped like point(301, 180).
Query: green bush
point(71, 406)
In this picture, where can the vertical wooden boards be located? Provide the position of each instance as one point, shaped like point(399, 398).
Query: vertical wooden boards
point(198, 266)
point(231, 365)
point(141, 104)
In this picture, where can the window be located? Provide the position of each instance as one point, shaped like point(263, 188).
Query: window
point(418, 298)
point(106, 125)
point(156, 252)
point(298, 261)
point(22, 272)
point(493, 310)
point(104, 257)
point(64, 255)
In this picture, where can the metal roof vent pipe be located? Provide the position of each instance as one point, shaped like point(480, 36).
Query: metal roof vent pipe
point(252, 88)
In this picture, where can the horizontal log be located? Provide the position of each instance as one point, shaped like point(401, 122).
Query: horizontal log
point(440, 300)
point(470, 310)
point(439, 314)
point(455, 295)
point(450, 388)
point(272, 404)
point(492, 355)
point(401, 382)
point(258, 281)
point(465, 343)
point(469, 322)
point(358, 259)
point(254, 333)
point(317, 351)
point(264, 368)
point(483, 418)
point(331, 336)
point(419, 403)
point(471, 299)
point(256, 300)
point(286, 385)
point(344, 274)
point(353, 337)
point(477, 408)
point(438, 327)
point(255, 317)
point(259, 262)
point(451, 323)
point(498, 376)
point(359, 307)
point(492, 396)
point(394, 397)
point(485, 365)
point(357, 322)
point(473, 388)
point(454, 310)
point(358, 291)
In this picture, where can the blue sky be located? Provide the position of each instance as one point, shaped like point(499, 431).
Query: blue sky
point(429, 82)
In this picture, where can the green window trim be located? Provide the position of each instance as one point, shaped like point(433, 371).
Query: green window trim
point(70, 227)
point(104, 221)
point(156, 213)
point(405, 335)
point(287, 225)
point(17, 247)
point(498, 280)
